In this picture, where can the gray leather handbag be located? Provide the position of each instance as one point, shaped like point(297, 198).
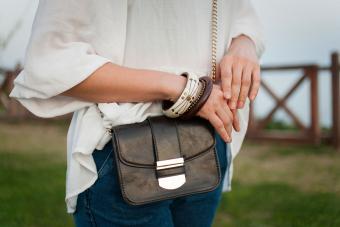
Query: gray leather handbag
point(163, 158)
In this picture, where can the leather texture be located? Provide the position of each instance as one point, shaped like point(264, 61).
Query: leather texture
point(165, 148)
point(139, 146)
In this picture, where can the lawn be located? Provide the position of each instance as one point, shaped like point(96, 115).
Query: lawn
point(273, 185)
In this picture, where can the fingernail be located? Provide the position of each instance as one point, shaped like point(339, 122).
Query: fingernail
point(252, 97)
point(227, 139)
point(232, 105)
point(227, 95)
point(240, 104)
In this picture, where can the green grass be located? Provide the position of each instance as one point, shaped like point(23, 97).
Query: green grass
point(32, 175)
point(32, 191)
point(273, 185)
point(277, 204)
point(284, 126)
point(283, 186)
point(280, 125)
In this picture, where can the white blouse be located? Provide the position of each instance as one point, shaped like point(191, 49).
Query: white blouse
point(71, 39)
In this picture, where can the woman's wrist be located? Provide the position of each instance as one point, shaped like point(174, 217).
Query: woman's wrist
point(202, 97)
point(172, 86)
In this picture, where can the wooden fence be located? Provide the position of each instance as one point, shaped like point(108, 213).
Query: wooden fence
point(304, 134)
point(256, 131)
point(10, 108)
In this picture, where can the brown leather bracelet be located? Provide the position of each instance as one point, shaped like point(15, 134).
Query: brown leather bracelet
point(208, 86)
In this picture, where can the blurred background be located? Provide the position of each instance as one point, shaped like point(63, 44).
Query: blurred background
point(288, 172)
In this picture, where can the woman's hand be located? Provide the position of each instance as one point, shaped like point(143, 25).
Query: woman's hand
point(217, 111)
point(239, 72)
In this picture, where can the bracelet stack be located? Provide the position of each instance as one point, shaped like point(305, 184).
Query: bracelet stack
point(194, 95)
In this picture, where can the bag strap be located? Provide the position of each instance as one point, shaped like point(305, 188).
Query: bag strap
point(165, 139)
point(170, 170)
point(214, 21)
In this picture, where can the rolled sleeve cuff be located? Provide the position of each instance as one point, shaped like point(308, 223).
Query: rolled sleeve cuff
point(45, 100)
point(255, 36)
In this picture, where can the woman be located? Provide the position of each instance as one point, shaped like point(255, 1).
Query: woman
point(126, 56)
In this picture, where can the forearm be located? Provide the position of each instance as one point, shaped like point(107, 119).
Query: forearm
point(114, 83)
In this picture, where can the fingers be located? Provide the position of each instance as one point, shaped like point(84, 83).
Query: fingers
point(219, 126)
point(226, 119)
point(218, 73)
point(227, 109)
point(240, 78)
point(236, 84)
point(245, 81)
point(217, 111)
point(255, 83)
point(236, 120)
point(226, 77)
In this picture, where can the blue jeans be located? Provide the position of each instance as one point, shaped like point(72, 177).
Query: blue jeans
point(102, 204)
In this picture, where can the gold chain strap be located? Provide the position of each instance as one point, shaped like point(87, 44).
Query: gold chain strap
point(213, 39)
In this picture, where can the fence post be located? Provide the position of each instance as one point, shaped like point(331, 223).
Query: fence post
point(312, 73)
point(335, 68)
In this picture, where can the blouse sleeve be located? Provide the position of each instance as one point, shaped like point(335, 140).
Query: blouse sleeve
point(59, 56)
point(245, 21)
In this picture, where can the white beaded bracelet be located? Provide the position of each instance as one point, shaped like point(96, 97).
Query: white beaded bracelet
point(188, 95)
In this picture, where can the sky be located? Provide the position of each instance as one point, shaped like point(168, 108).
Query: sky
point(296, 31)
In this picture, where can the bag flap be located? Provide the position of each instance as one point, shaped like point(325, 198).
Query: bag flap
point(135, 144)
